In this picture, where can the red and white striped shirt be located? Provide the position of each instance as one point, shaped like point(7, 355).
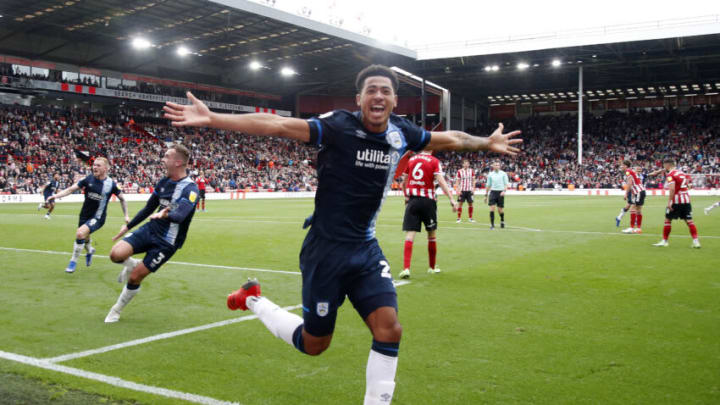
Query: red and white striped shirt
point(681, 181)
point(421, 171)
point(637, 185)
point(466, 179)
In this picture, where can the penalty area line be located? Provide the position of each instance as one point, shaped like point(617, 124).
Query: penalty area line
point(114, 381)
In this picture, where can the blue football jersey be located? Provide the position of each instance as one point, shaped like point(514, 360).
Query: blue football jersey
point(355, 170)
point(97, 194)
point(181, 197)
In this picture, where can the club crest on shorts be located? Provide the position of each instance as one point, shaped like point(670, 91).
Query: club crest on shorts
point(322, 308)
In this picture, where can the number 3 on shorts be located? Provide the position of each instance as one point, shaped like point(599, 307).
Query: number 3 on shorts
point(385, 270)
point(156, 261)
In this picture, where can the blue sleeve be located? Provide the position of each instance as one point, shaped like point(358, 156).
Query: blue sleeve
point(148, 209)
point(185, 204)
point(417, 138)
point(115, 189)
point(324, 127)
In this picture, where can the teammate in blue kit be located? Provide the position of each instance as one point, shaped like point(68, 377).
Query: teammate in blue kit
point(98, 188)
point(340, 256)
point(50, 188)
point(163, 235)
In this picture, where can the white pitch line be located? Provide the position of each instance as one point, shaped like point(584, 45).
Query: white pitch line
point(115, 381)
point(212, 266)
point(167, 335)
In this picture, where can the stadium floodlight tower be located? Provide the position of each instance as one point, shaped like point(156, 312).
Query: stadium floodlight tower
point(426, 85)
point(580, 113)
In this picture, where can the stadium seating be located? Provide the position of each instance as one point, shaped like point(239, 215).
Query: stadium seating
point(36, 142)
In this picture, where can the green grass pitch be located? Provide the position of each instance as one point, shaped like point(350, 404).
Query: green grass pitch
point(558, 308)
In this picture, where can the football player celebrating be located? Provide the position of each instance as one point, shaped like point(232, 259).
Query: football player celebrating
point(98, 188)
point(340, 256)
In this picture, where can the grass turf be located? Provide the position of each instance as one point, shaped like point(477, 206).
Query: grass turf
point(558, 308)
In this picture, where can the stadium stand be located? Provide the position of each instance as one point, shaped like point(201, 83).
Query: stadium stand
point(37, 142)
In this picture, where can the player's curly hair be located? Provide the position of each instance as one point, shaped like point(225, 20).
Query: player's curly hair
point(376, 70)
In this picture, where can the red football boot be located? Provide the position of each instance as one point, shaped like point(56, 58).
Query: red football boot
point(236, 300)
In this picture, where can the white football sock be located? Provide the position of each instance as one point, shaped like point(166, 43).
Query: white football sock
point(622, 213)
point(77, 248)
point(124, 298)
point(380, 378)
point(279, 322)
point(130, 263)
point(88, 245)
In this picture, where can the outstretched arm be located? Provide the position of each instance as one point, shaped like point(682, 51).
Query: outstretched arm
point(456, 140)
point(197, 114)
point(65, 192)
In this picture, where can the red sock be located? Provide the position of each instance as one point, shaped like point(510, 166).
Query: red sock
point(408, 254)
point(693, 229)
point(432, 251)
point(203, 205)
point(666, 230)
point(470, 210)
point(638, 220)
point(633, 218)
point(459, 211)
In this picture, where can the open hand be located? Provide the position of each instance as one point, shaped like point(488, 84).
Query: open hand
point(501, 143)
point(196, 114)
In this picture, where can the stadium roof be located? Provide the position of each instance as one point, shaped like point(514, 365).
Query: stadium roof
point(222, 37)
point(222, 41)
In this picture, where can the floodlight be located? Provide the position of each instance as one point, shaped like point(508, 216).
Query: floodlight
point(141, 43)
point(286, 71)
point(182, 51)
point(255, 65)
point(522, 66)
point(556, 63)
point(495, 68)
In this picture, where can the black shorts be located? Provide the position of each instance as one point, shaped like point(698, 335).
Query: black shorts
point(158, 251)
point(496, 199)
point(679, 211)
point(93, 223)
point(466, 196)
point(637, 199)
point(420, 210)
point(202, 194)
point(332, 270)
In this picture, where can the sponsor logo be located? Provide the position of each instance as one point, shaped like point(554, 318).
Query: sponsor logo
point(192, 197)
point(323, 308)
point(94, 196)
point(360, 133)
point(376, 159)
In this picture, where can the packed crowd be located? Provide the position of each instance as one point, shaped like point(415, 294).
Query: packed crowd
point(35, 143)
point(549, 158)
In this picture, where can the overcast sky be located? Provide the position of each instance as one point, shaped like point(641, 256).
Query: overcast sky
point(420, 22)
